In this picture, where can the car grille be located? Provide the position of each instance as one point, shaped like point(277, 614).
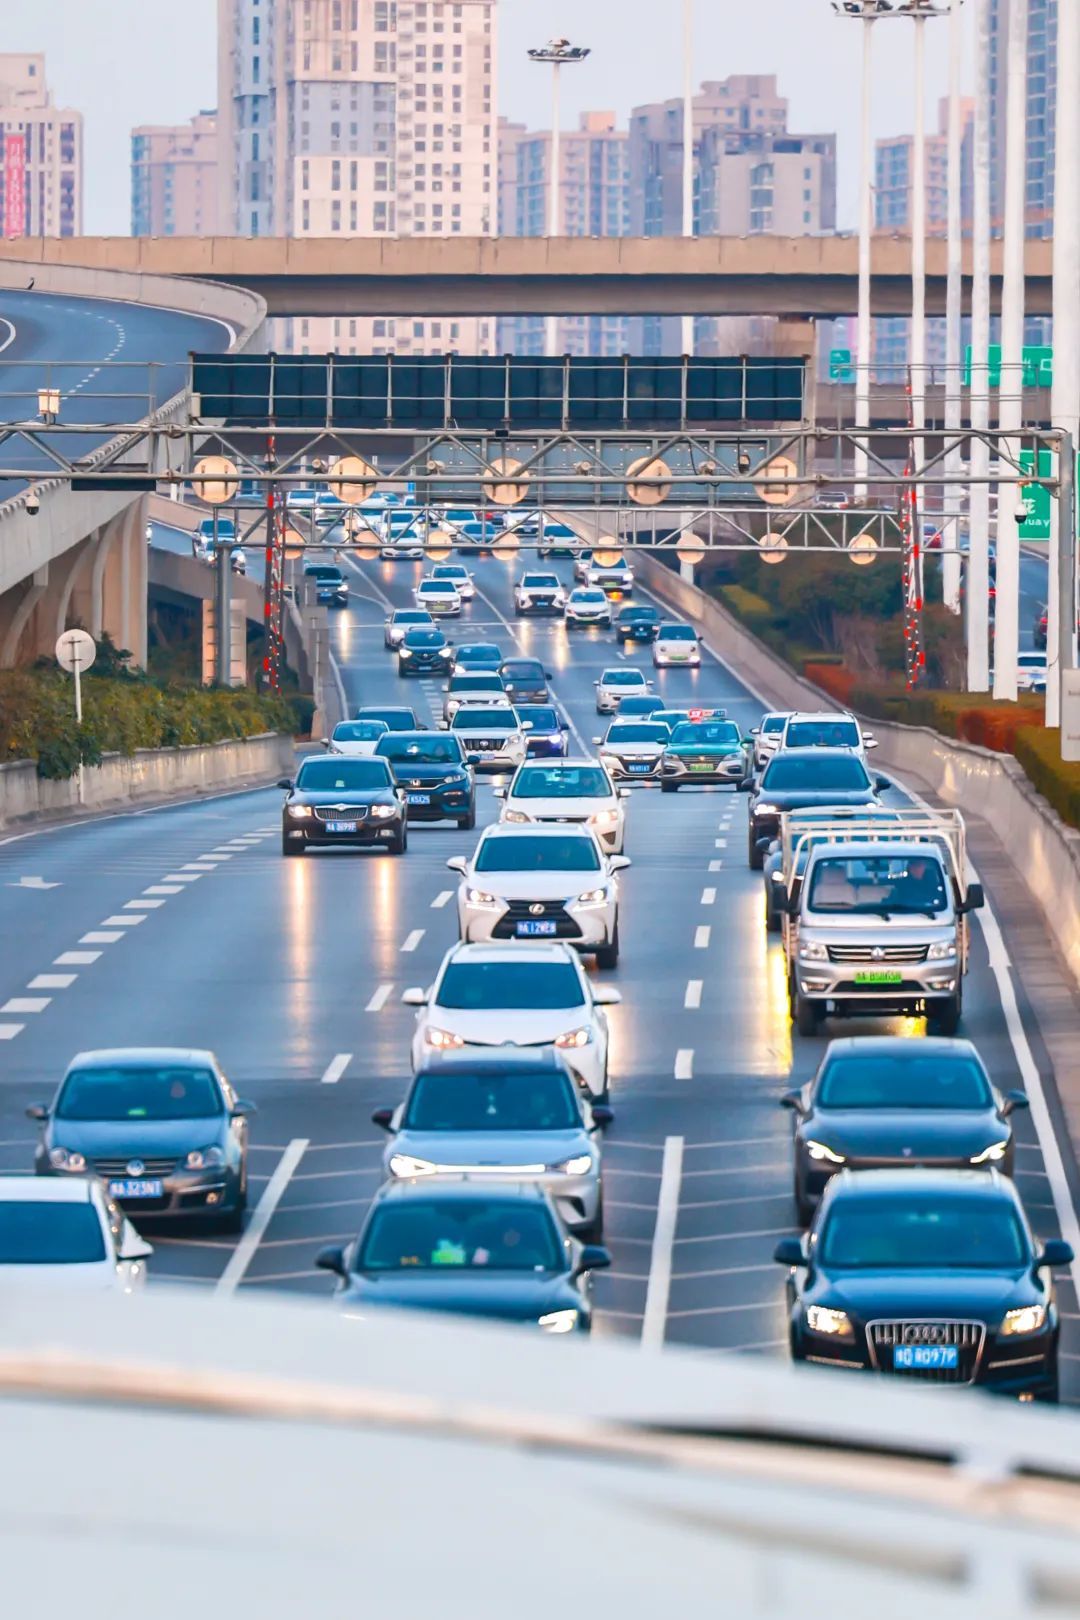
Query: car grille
point(119, 1167)
point(340, 812)
point(627, 760)
point(523, 911)
point(565, 820)
point(486, 745)
point(969, 1336)
point(878, 953)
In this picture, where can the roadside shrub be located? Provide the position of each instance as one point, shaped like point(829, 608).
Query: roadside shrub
point(1058, 780)
point(832, 678)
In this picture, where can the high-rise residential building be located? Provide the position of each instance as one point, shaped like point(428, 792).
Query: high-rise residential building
point(174, 178)
point(1041, 100)
point(765, 184)
point(594, 200)
point(41, 154)
point(360, 118)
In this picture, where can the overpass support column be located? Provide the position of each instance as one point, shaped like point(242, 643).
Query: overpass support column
point(124, 580)
point(16, 609)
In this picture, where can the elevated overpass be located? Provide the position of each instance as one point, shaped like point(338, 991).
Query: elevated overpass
point(798, 277)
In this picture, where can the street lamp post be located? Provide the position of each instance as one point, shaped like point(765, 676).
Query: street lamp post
point(978, 570)
point(950, 562)
point(688, 150)
point(557, 52)
point(1065, 391)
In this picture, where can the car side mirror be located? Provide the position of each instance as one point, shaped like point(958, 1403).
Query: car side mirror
point(755, 731)
point(975, 898)
point(792, 1100)
point(563, 726)
point(383, 1117)
point(597, 741)
point(457, 863)
point(1013, 1101)
point(526, 725)
point(548, 676)
point(624, 793)
point(764, 845)
point(37, 1111)
point(1055, 1252)
point(445, 687)
point(605, 995)
point(602, 1115)
point(498, 793)
point(790, 1251)
point(325, 741)
point(414, 997)
point(619, 863)
point(593, 1257)
point(744, 785)
point(870, 742)
point(596, 683)
point(243, 1109)
point(881, 784)
point(285, 782)
point(332, 1259)
point(789, 903)
point(132, 1246)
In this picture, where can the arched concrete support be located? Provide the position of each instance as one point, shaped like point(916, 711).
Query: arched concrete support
point(16, 607)
point(124, 586)
point(73, 600)
point(108, 536)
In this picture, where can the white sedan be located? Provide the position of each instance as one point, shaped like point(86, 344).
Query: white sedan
point(567, 790)
point(676, 644)
point(356, 737)
point(532, 883)
point(458, 576)
point(397, 625)
point(518, 995)
point(633, 749)
point(618, 683)
point(439, 596)
point(67, 1234)
point(587, 606)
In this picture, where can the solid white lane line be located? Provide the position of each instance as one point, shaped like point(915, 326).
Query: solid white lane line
point(8, 1032)
point(684, 1063)
point(101, 936)
point(75, 958)
point(654, 1322)
point(125, 919)
point(244, 1253)
point(412, 939)
point(26, 1004)
point(52, 981)
point(702, 935)
point(143, 905)
point(336, 1068)
point(441, 899)
point(708, 897)
point(164, 888)
point(380, 998)
point(716, 866)
point(693, 993)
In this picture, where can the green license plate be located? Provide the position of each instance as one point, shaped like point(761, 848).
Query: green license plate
point(880, 976)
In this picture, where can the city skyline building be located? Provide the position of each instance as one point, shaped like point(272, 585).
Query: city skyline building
point(41, 153)
point(174, 178)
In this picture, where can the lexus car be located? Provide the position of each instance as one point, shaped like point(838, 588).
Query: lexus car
point(474, 688)
point(632, 750)
point(704, 751)
point(676, 645)
point(356, 738)
point(541, 883)
point(68, 1235)
point(635, 622)
point(468, 1249)
point(342, 801)
point(802, 780)
point(514, 1115)
point(568, 790)
point(933, 1276)
point(525, 680)
point(493, 738)
point(432, 769)
point(585, 606)
point(161, 1126)
point(398, 623)
point(422, 651)
point(546, 733)
point(879, 1102)
point(615, 684)
point(539, 593)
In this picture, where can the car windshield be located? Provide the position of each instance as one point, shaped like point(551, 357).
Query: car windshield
point(450, 571)
point(822, 734)
point(475, 719)
point(523, 669)
point(393, 719)
point(533, 852)
point(878, 884)
point(412, 616)
point(630, 615)
point(424, 638)
point(342, 775)
point(904, 1080)
point(424, 748)
point(773, 723)
point(359, 730)
point(677, 632)
point(706, 731)
point(558, 531)
point(530, 1100)
point(477, 683)
point(172, 1091)
point(561, 782)
point(589, 598)
point(446, 1234)
point(47, 1234)
point(815, 775)
point(643, 733)
point(479, 652)
point(324, 575)
point(500, 986)
point(622, 677)
point(922, 1232)
point(541, 581)
point(542, 719)
point(437, 587)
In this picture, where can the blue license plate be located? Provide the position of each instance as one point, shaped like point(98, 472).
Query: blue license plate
point(926, 1357)
point(530, 930)
point(341, 826)
point(640, 769)
point(135, 1187)
point(419, 798)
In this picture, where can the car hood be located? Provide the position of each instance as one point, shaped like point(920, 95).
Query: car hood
point(634, 750)
point(809, 798)
point(906, 1133)
point(490, 1150)
point(134, 1138)
point(97, 1276)
point(346, 796)
point(705, 751)
point(952, 1294)
point(531, 1027)
point(506, 1295)
point(355, 750)
point(479, 729)
point(536, 885)
point(407, 771)
point(561, 809)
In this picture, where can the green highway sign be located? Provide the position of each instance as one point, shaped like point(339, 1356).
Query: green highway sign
point(841, 366)
point(1036, 526)
point(1038, 365)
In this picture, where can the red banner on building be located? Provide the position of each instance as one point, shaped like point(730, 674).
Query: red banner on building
point(14, 185)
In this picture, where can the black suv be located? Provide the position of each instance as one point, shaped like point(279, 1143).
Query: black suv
point(331, 586)
point(525, 680)
point(431, 768)
point(421, 651)
point(335, 800)
point(634, 623)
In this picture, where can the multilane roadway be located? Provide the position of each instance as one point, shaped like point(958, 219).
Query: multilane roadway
point(183, 925)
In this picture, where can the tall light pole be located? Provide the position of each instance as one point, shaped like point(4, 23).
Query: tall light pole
point(978, 573)
point(1011, 408)
point(950, 562)
point(1065, 391)
point(557, 52)
point(688, 149)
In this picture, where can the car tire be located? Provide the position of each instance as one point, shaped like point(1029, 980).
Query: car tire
point(669, 787)
point(468, 822)
point(593, 1232)
point(1048, 1392)
point(807, 1017)
point(947, 1015)
point(233, 1220)
point(401, 842)
point(754, 856)
point(607, 956)
point(401, 672)
point(288, 848)
point(772, 917)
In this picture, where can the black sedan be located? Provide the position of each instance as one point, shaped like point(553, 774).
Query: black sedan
point(545, 732)
point(431, 768)
point(420, 652)
point(800, 781)
point(888, 1102)
point(525, 680)
point(635, 623)
point(477, 655)
point(395, 716)
point(161, 1126)
point(929, 1275)
point(328, 583)
point(343, 801)
point(470, 1250)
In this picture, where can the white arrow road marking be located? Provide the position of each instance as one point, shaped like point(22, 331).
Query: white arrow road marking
point(33, 883)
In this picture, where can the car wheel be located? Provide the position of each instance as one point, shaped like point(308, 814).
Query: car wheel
point(669, 787)
point(468, 822)
point(401, 842)
point(288, 848)
point(946, 1016)
point(401, 671)
point(607, 956)
point(233, 1220)
point(754, 855)
point(807, 1018)
point(1048, 1392)
point(594, 1231)
point(772, 917)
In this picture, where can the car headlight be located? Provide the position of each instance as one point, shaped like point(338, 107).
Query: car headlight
point(1024, 1319)
point(777, 877)
point(515, 815)
point(62, 1159)
point(820, 1319)
point(991, 1155)
point(608, 761)
point(455, 779)
point(767, 809)
point(442, 1039)
point(204, 1158)
point(604, 818)
point(299, 812)
point(813, 951)
point(404, 652)
point(592, 897)
point(478, 897)
point(822, 1153)
point(403, 1164)
point(558, 1321)
point(574, 1037)
point(383, 812)
point(446, 652)
point(580, 1165)
point(941, 952)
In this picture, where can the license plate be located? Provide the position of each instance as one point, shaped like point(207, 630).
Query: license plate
point(135, 1187)
point(530, 929)
point(926, 1357)
point(341, 826)
point(879, 976)
point(640, 769)
point(419, 798)
point(701, 767)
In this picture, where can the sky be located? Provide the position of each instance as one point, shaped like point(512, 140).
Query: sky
point(128, 62)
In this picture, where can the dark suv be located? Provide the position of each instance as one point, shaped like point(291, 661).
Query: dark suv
point(331, 586)
point(431, 768)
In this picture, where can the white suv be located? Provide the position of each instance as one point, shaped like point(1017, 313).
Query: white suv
point(836, 728)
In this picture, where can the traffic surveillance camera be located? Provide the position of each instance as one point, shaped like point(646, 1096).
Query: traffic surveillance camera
point(743, 461)
point(1022, 512)
point(33, 505)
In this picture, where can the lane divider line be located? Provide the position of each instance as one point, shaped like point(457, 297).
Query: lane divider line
point(26, 1004)
point(75, 958)
point(708, 897)
point(164, 888)
point(8, 1032)
point(380, 998)
point(52, 981)
point(658, 1290)
point(336, 1068)
point(412, 939)
point(143, 905)
point(126, 919)
point(273, 1192)
point(102, 936)
point(182, 877)
point(693, 993)
point(716, 866)
point(721, 843)
point(441, 899)
point(702, 935)
point(684, 1063)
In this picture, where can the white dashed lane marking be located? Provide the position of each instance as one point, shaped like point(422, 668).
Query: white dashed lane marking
point(441, 899)
point(127, 919)
point(684, 1063)
point(26, 1004)
point(75, 958)
point(693, 993)
point(702, 935)
point(143, 905)
point(8, 1032)
point(52, 981)
point(164, 888)
point(708, 897)
point(412, 939)
point(336, 1068)
point(716, 866)
point(100, 936)
point(380, 998)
